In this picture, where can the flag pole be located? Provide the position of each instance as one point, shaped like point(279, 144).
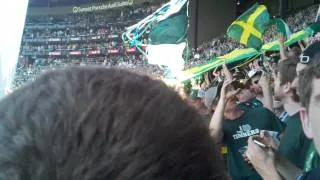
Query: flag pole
point(318, 15)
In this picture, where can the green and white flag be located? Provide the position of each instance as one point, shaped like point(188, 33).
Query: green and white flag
point(167, 30)
point(248, 29)
point(168, 40)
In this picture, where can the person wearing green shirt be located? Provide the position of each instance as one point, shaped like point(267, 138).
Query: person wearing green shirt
point(294, 145)
point(312, 159)
point(232, 126)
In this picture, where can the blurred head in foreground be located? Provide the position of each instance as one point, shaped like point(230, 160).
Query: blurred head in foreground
point(97, 123)
point(309, 88)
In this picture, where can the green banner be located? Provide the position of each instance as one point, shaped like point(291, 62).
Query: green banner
point(275, 46)
point(272, 46)
point(238, 55)
point(296, 37)
point(313, 29)
point(241, 55)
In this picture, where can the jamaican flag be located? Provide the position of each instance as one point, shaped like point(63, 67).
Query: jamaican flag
point(248, 29)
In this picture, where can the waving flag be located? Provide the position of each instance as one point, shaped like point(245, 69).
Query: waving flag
point(168, 27)
point(248, 29)
point(282, 27)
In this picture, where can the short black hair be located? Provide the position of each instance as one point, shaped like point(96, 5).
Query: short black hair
point(97, 123)
point(305, 83)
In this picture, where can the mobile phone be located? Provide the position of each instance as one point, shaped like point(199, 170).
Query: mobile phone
point(259, 143)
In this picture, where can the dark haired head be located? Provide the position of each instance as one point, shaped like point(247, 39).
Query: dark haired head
point(97, 124)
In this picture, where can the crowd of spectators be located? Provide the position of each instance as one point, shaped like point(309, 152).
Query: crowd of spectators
point(101, 32)
point(222, 45)
point(98, 122)
point(55, 41)
point(302, 18)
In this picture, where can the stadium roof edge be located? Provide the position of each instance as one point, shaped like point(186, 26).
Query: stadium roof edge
point(77, 8)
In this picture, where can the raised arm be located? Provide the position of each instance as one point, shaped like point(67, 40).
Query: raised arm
point(283, 52)
point(217, 118)
point(267, 93)
point(301, 45)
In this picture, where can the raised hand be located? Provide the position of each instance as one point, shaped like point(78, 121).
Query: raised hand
point(227, 73)
point(227, 90)
point(262, 159)
point(281, 38)
point(264, 80)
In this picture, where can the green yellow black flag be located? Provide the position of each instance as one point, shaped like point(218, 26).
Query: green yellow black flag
point(248, 29)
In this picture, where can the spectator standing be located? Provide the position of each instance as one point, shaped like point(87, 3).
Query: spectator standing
point(294, 145)
point(232, 126)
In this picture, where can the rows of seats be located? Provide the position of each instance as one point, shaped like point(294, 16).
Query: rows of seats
point(95, 38)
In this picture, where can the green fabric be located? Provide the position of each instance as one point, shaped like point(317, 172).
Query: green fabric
point(240, 55)
point(282, 27)
point(236, 133)
point(272, 46)
point(252, 104)
point(312, 159)
point(172, 30)
point(296, 37)
point(313, 28)
point(294, 145)
point(236, 56)
point(249, 27)
point(275, 46)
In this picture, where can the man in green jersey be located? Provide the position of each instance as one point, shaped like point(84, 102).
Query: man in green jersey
point(232, 126)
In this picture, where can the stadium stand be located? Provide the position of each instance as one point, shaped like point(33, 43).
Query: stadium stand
point(95, 38)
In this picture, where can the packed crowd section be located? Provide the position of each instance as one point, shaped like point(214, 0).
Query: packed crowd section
point(222, 45)
point(83, 39)
point(258, 112)
point(102, 123)
point(95, 38)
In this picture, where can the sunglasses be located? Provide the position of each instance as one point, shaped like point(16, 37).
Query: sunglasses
point(304, 59)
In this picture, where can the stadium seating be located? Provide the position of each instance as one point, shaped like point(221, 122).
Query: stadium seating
point(95, 38)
